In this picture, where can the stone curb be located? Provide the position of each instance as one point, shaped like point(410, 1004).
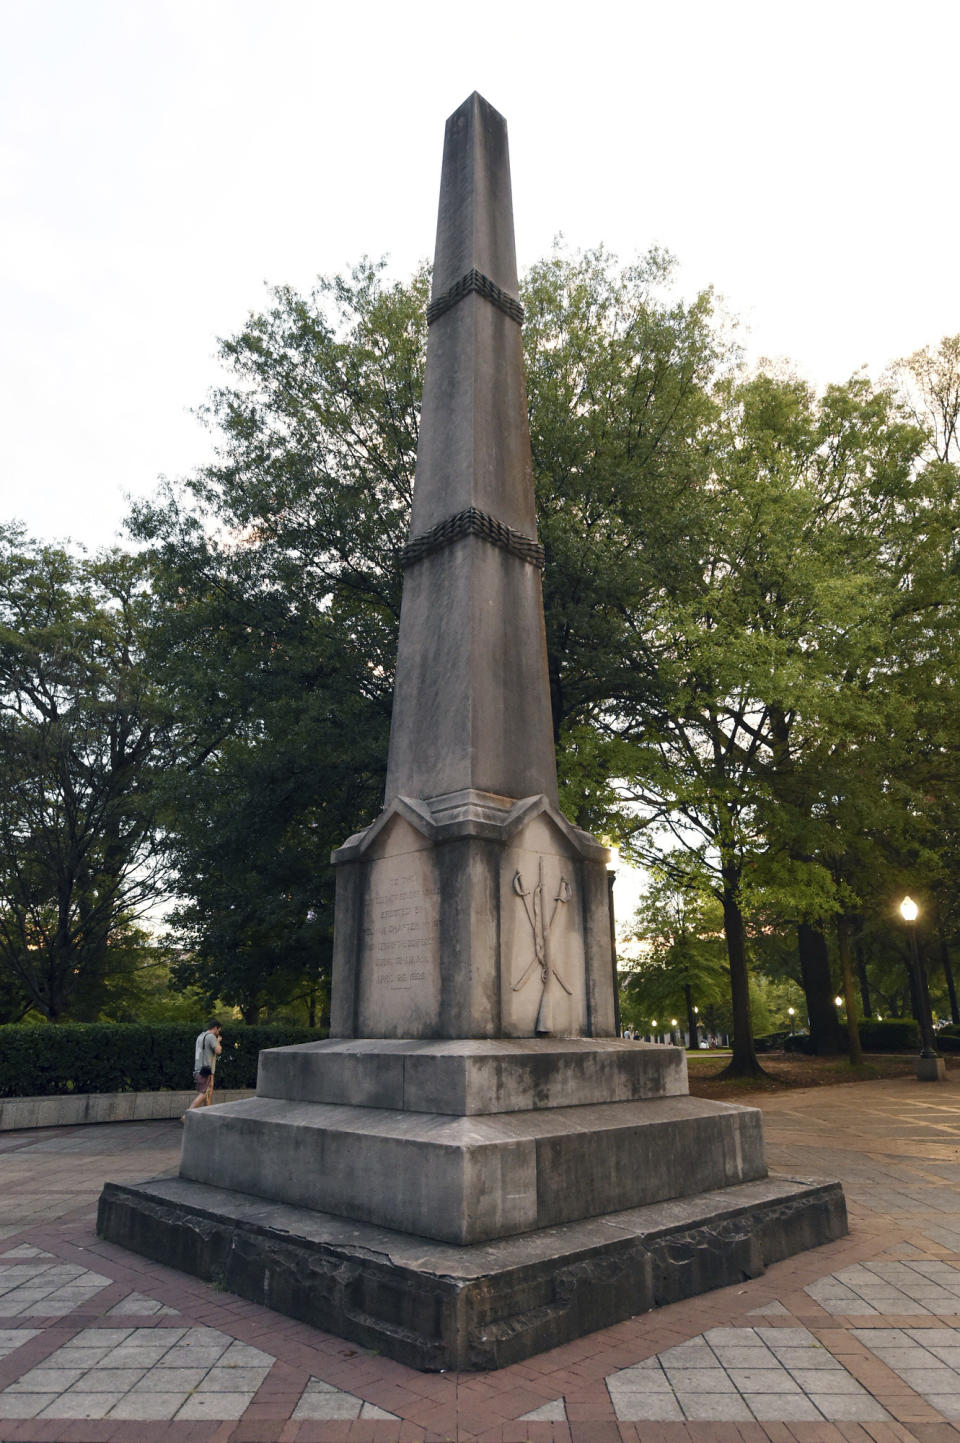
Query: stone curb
point(17, 1113)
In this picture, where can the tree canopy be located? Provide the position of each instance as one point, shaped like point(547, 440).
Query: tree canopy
point(752, 631)
point(83, 736)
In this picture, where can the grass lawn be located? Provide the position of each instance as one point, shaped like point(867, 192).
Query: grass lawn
point(786, 1070)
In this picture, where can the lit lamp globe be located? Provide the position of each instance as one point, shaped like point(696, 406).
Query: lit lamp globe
point(909, 910)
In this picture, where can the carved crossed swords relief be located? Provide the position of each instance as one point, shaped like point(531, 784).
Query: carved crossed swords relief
point(533, 905)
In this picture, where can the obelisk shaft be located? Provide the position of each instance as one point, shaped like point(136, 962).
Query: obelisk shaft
point(472, 701)
point(471, 907)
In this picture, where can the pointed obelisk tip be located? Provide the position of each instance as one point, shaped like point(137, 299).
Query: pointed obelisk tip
point(475, 218)
point(480, 104)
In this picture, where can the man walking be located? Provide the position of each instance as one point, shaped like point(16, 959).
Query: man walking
point(207, 1049)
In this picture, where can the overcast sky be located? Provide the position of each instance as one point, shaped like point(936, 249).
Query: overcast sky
point(161, 160)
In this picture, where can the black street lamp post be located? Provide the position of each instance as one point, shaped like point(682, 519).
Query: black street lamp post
point(930, 1064)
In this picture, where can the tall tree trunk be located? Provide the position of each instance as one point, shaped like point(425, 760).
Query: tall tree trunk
point(744, 1062)
point(844, 930)
point(862, 979)
point(826, 1035)
point(60, 972)
point(691, 1016)
point(948, 974)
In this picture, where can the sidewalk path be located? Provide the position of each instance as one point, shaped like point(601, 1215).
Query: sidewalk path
point(855, 1342)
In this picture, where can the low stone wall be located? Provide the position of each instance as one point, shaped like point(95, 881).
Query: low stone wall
point(27, 1112)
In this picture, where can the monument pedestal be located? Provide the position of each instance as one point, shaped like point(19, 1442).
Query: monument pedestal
point(449, 1203)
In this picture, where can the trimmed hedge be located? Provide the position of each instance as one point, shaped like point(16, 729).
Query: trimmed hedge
point(948, 1038)
point(894, 1034)
point(53, 1059)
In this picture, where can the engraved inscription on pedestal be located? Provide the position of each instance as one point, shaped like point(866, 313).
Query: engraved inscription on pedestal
point(543, 986)
point(399, 943)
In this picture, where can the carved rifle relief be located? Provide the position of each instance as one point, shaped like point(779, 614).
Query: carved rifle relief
point(533, 905)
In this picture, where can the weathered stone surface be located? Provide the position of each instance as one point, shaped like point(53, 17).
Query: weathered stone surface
point(399, 945)
point(471, 871)
point(434, 1306)
point(475, 216)
point(436, 913)
point(472, 702)
point(469, 1179)
point(471, 677)
point(74, 1109)
point(473, 1075)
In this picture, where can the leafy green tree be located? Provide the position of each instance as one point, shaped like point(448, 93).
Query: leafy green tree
point(620, 381)
point(764, 665)
point(278, 569)
point(880, 789)
point(82, 737)
point(680, 958)
point(930, 383)
point(746, 630)
point(839, 741)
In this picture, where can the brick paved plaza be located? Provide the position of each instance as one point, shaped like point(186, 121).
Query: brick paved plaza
point(858, 1340)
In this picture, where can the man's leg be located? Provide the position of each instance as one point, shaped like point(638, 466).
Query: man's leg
point(204, 1086)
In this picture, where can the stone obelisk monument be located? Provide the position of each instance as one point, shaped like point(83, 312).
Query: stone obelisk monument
point(473, 1167)
point(472, 908)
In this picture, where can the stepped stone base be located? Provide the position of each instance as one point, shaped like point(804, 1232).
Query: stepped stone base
point(465, 1077)
point(443, 1201)
point(427, 1154)
point(433, 1305)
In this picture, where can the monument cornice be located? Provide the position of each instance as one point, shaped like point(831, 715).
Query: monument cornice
point(470, 813)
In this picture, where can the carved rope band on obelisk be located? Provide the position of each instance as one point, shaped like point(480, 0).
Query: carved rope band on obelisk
point(475, 282)
point(472, 522)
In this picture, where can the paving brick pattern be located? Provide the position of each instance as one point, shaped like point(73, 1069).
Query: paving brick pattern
point(927, 1360)
point(744, 1374)
point(155, 1373)
point(855, 1342)
point(926, 1286)
point(45, 1288)
point(11, 1338)
point(322, 1400)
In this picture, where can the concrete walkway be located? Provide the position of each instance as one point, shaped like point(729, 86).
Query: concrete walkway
point(858, 1340)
